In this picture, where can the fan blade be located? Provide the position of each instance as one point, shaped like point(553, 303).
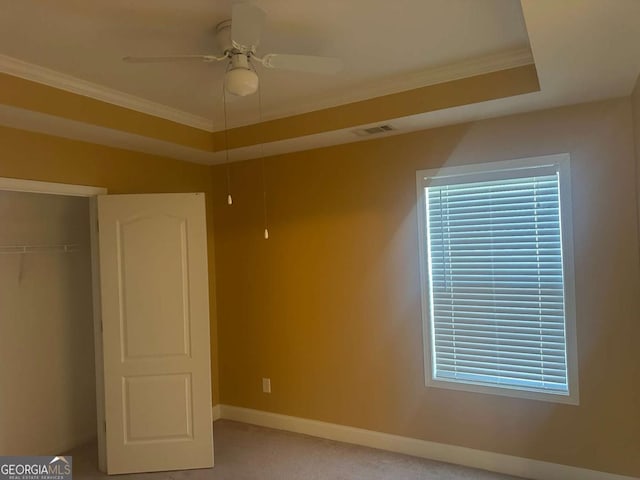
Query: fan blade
point(246, 26)
point(303, 63)
point(175, 58)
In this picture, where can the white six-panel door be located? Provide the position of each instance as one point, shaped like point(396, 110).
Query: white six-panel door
point(155, 322)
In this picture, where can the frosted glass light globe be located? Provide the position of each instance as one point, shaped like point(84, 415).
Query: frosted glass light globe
point(241, 82)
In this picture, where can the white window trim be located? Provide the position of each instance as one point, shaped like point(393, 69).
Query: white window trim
point(562, 162)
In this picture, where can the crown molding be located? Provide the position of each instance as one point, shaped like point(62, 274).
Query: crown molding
point(35, 73)
point(395, 84)
point(455, 71)
point(399, 83)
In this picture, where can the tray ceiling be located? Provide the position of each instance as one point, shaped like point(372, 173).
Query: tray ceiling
point(382, 44)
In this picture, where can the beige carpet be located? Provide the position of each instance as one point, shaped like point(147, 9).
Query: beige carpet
point(245, 452)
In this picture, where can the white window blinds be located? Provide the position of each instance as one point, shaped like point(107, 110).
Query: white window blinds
point(496, 289)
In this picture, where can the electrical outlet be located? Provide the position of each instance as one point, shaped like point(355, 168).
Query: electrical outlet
point(266, 385)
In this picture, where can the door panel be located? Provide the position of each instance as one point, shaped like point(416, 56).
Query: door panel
point(150, 397)
point(165, 281)
point(155, 313)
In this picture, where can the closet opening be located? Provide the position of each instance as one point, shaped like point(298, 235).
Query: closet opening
point(48, 280)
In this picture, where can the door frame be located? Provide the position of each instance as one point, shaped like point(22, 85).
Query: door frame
point(36, 186)
point(90, 192)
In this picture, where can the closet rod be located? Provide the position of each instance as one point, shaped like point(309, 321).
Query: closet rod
point(19, 249)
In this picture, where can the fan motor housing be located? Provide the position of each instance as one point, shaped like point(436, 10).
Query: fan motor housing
point(223, 37)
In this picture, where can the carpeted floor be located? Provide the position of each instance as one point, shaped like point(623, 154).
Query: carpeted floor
point(246, 452)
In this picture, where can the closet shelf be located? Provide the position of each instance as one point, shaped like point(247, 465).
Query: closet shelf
point(19, 249)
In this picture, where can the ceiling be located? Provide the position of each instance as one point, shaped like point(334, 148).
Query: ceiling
point(583, 50)
point(382, 44)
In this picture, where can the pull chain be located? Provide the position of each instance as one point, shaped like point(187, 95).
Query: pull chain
point(264, 181)
point(229, 197)
point(226, 145)
point(264, 202)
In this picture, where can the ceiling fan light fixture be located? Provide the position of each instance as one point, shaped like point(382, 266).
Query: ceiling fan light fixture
point(241, 80)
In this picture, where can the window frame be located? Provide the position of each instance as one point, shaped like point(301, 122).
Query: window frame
point(561, 162)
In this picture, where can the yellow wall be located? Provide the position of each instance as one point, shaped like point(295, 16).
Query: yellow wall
point(635, 103)
point(28, 95)
point(40, 157)
point(329, 306)
point(21, 93)
point(439, 96)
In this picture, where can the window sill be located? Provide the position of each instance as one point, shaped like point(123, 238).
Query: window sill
point(567, 399)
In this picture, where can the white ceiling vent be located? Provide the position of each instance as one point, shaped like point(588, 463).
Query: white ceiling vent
point(365, 132)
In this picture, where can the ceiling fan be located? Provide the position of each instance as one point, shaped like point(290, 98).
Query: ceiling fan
point(238, 39)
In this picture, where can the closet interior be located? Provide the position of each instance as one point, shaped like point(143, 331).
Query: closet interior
point(47, 372)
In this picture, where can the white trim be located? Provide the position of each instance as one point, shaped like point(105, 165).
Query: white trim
point(32, 186)
point(216, 412)
point(400, 83)
point(52, 78)
point(39, 122)
point(484, 167)
point(495, 462)
point(394, 84)
point(568, 272)
point(96, 291)
point(561, 164)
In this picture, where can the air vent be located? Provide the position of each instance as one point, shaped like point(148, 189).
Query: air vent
point(364, 132)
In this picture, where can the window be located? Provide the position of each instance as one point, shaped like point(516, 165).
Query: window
point(497, 278)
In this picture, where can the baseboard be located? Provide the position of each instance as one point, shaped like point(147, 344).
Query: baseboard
point(495, 462)
point(215, 412)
